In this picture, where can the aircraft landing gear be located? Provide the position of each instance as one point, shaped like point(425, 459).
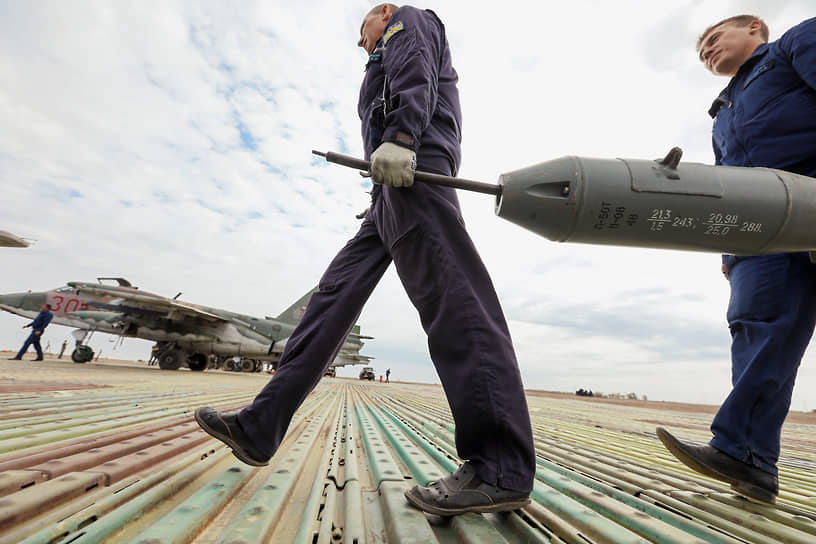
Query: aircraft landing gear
point(197, 362)
point(168, 356)
point(82, 354)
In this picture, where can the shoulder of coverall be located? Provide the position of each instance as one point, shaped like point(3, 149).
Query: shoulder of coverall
point(799, 44)
point(411, 43)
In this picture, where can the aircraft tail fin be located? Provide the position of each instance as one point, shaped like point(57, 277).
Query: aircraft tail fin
point(293, 313)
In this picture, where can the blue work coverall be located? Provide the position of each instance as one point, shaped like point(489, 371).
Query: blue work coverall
point(409, 97)
point(767, 117)
point(37, 328)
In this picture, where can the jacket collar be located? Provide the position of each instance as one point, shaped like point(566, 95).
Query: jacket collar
point(724, 98)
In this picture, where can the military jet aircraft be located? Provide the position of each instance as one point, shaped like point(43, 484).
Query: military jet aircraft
point(183, 332)
point(8, 239)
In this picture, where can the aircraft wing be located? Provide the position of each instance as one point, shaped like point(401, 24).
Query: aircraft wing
point(344, 359)
point(127, 302)
point(7, 239)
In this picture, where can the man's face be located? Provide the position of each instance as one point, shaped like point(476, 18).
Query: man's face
point(44, 307)
point(372, 28)
point(727, 46)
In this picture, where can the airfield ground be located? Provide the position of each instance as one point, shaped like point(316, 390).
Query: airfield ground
point(108, 452)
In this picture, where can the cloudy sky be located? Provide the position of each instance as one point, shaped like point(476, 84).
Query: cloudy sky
point(169, 142)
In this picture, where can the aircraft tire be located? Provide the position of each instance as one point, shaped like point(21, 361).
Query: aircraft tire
point(197, 362)
point(82, 354)
point(170, 361)
point(247, 365)
point(197, 366)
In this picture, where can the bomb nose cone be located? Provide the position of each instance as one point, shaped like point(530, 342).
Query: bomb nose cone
point(662, 204)
point(542, 198)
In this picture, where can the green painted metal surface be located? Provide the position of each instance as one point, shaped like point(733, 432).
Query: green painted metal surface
point(187, 520)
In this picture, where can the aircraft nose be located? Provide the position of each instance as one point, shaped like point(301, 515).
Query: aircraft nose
point(25, 301)
point(14, 299)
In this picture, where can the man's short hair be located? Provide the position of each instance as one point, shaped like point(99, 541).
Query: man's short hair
point(378, 7)
point(48, 306)
point(738, 20)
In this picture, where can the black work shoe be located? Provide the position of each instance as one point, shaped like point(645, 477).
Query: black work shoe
point(463, 491)
point(225, 428)
point(747, 480)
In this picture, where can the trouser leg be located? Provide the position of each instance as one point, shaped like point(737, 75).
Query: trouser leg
point(26, 344)
point(468, 337)
point(771, 317)
point(37, 346)
point(329, 317)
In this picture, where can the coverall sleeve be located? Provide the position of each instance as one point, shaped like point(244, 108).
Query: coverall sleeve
point(800, 44)
point(412, 68)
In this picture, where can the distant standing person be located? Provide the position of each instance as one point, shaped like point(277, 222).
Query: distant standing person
point(765, 117)
point(37, 328)
point(387, 374)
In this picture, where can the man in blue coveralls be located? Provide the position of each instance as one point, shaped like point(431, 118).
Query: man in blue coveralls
point(765, 117)
point(37, 328)
point(409, 108)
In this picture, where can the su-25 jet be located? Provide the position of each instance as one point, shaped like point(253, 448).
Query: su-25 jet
point(183, 332)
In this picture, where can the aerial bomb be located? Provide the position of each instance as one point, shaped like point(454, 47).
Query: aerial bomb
point(651, 204)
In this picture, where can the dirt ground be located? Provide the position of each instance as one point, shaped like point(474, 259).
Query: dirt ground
point(793, 417)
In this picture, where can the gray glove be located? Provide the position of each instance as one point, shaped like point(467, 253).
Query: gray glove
point(393, 165)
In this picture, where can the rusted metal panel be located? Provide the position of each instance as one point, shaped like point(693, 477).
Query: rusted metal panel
point(20, 506)
point(128, 495)
point(123, 466)
point(96, 456)
point(31, 457)
point(114, 521)
point(12, 481)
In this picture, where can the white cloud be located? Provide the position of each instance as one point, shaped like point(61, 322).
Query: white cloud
point(170, 142)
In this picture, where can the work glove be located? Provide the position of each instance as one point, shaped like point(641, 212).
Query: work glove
point(393, 165)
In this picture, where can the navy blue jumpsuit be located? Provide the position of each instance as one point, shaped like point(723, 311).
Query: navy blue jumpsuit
point(767, 117)
point(409, 97)
point(37, 326)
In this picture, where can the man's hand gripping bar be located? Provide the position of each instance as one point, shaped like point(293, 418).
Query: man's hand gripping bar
point(426, 177)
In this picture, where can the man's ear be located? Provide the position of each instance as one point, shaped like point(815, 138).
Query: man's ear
point(386, 13)
point(754, 26)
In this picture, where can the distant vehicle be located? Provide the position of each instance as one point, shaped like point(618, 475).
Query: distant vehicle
point(185, 333)
point(331, 372)
point(367, 373)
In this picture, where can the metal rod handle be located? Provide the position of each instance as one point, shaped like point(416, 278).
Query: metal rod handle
point(426, 177)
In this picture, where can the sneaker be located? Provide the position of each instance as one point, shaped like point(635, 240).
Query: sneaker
point(463, 491)
point(225, 428)
point(747, 480)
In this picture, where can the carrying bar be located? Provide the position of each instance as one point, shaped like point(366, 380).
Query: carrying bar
point(426, 177)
